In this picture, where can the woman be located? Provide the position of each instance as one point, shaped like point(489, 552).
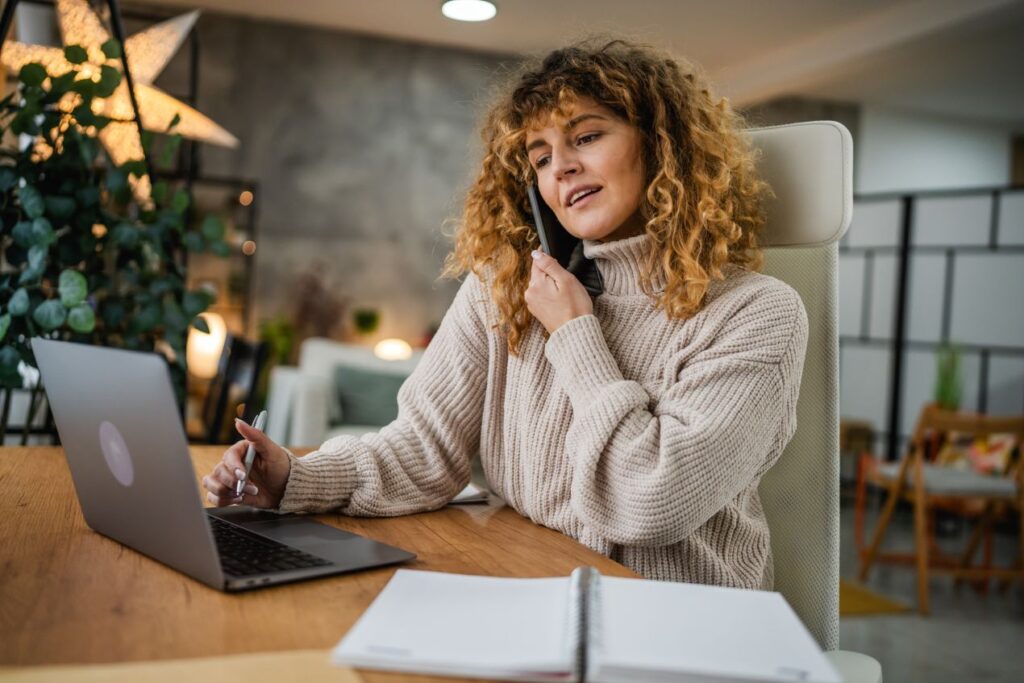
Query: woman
point(638, 423)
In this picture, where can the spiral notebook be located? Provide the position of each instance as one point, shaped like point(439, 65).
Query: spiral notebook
point(585, 627)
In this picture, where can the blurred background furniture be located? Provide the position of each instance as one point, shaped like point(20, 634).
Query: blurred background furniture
point(979, 490)
point(233, 391)
point(337, 388)
point(25, 417)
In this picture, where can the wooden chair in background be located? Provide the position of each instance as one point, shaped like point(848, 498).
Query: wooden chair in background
point(930, 486)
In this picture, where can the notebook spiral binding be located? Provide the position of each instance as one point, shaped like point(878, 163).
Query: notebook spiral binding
point(583, 601)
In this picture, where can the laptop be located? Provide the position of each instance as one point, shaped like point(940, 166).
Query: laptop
point(118, 422)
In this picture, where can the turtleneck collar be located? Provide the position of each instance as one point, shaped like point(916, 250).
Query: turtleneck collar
point(620, 263)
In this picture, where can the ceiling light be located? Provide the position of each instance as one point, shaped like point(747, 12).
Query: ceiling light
point(468, 10)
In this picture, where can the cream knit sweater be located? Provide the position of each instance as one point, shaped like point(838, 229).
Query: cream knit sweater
point(643, 438)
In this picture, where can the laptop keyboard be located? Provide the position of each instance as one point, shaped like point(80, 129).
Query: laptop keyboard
point(244, 554)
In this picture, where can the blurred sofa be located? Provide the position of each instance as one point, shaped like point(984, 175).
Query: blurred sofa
point(336, 389)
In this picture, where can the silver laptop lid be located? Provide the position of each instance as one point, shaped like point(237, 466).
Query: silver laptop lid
point(118, 423)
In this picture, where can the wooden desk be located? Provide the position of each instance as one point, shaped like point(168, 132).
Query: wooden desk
point(71, 596)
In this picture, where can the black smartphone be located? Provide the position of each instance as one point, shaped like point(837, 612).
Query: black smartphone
point(557, 242)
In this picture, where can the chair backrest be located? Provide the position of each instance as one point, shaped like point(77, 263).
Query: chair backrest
point(935, 426)
point(236, 383)
point(810, 168)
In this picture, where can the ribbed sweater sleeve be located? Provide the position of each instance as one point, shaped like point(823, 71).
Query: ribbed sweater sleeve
point(649, 471)
point(422, 459)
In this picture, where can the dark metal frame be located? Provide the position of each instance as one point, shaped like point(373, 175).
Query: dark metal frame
point(899, 344)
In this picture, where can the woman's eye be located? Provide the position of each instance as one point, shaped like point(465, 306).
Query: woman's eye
point(589, 137)
point(541, 162)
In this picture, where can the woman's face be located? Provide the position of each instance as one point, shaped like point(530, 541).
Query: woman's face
point(590, 171)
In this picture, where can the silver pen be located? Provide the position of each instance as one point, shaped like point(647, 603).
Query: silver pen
point(250, 454)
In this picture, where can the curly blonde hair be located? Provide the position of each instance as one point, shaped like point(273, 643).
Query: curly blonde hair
point(703, 205)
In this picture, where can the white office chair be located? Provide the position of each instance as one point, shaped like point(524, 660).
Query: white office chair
point(810, 169)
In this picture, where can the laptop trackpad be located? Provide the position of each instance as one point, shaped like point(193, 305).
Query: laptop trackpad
point(315, 538)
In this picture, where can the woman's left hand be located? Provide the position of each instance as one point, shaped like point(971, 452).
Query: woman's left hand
point(554, 295)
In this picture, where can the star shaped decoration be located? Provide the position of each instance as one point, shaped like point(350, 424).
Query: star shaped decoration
point(147, 52)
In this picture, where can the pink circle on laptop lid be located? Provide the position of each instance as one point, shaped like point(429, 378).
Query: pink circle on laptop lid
point(115, 452)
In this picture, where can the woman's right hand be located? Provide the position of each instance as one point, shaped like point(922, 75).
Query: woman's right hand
point(265, 486)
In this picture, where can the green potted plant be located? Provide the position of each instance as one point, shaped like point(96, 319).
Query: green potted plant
point(948, 382)
point(83, 259)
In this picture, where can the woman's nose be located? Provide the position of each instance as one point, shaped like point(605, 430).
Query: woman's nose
point(566, 163)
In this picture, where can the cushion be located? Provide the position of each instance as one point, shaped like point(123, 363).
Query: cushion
point(367, 396)
point(949, 481)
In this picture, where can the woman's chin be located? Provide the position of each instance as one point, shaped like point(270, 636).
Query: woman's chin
point(594, 233)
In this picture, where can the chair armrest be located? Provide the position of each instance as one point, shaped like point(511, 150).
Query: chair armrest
point(311, 410)
point(280, 400)
point(854, 667)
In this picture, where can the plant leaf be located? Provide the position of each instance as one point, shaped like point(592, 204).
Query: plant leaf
point(88, 196)
point(32, 74)
point(83, 114)
point(136, 168)
point(193, 241)
point(37, 256)
point(180, 201)
point(60, 207)
point(42, 232)
point(200, 325)
point(117, 179)
point(18, 305)
point(73, 288)
point(160, 190)
point(111, 49)
point(49, 315)
point(60, 85)
point(76, 54)
point(5, 323)
point(170, 148)
point(125, 235)
point(174, 318)
point(8, 179)
point(194, 303)
point(9, 375)
point(85, 87)
point(81, 318)
point(213, 228)
point(22, 234)
point(148, 317)
point(32, 202)
point(110, 78)
point(113, 312)
point(30, 274)
point(220, 249)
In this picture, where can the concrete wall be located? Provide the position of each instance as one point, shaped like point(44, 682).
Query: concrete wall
point(362, 148)
point(904, 151)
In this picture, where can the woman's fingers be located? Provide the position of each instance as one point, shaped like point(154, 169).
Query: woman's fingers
point(234, 456)
point(549, 266)
point(221, 501)
point(225, 476)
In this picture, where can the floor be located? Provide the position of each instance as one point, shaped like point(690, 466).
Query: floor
point(967, 637)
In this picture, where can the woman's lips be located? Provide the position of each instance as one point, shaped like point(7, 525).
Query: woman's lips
point(582, 201)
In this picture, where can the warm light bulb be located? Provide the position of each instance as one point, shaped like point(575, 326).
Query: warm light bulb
point(203, 349)
point(469, 10)
point(248, 247)
point(245, 198)
point(392, 349)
